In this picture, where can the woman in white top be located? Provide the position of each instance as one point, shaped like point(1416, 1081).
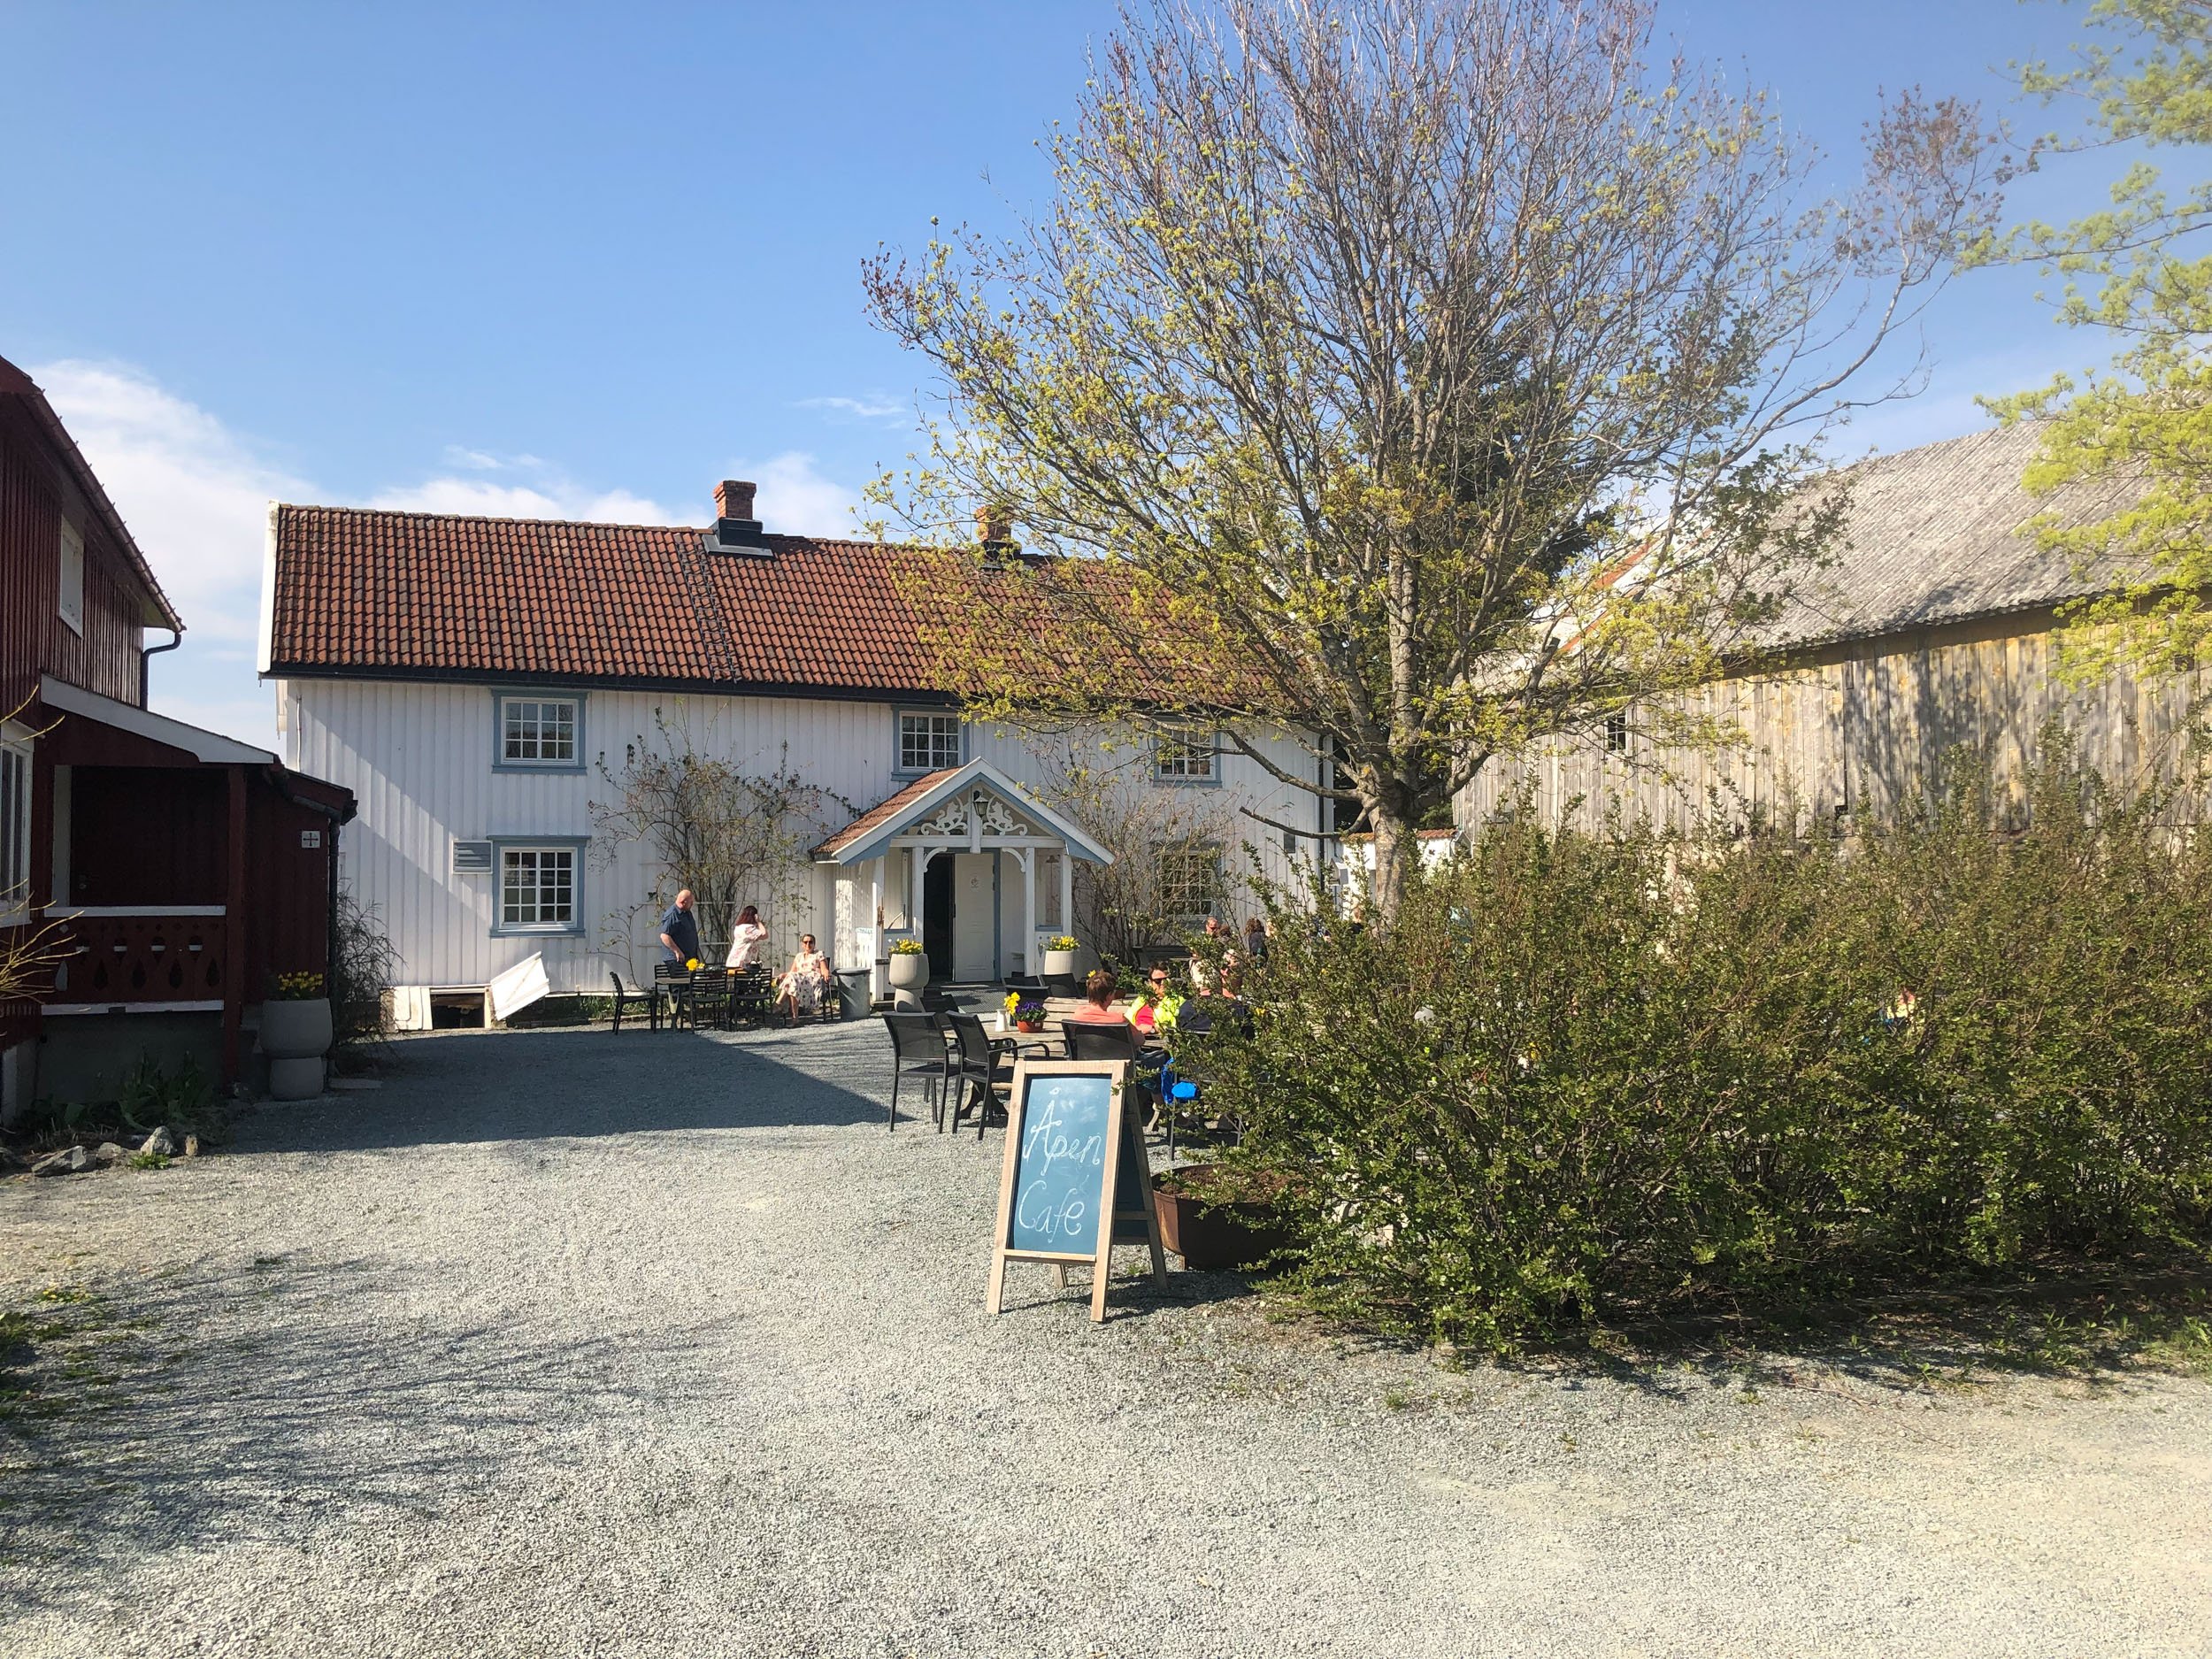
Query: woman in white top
point(745, 940)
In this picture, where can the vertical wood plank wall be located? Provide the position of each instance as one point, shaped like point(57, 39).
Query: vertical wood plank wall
point(1860, 727)
point(418, 757)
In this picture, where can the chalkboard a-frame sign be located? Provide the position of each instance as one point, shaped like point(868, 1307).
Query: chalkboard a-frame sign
point(1068, 1145)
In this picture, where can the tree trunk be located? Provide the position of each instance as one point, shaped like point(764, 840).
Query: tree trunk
point(1395, 848)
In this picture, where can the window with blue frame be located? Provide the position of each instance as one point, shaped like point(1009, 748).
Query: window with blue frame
point(541, 731)
point(537, 888)
point(928, 740)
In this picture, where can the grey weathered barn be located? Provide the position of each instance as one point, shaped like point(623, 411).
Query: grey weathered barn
point(1933, 629)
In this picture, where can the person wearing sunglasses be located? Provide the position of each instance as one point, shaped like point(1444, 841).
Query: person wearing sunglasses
point(1153, 1011)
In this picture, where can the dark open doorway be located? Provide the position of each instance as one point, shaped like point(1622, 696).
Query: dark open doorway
point(937, 916)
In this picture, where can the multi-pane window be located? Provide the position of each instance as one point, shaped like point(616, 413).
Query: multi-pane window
point(1617, 734)
point(71, 602)
point(15, 826)
point(1189, 878)
point(537, 730)
point(1184, 757)
point(928, 742)
point(537, 887)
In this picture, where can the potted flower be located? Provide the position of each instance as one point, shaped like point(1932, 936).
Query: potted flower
point(1219, 1218)
point(1060, 955)
point(1027, 1012)
point(296, 1034)
point(909, 965)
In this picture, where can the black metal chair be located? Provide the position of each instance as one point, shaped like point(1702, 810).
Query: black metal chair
point(627, 994)
point(710, 998)
point(982, 1067)
point(1094, 1040)
point(917, 1049)
point(752, 993)
point(672, 980)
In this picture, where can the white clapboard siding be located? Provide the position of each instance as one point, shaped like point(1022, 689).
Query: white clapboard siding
point(419, 758)
point(1861, 728)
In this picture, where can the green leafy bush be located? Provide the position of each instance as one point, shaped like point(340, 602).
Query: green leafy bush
point(1592, 1076)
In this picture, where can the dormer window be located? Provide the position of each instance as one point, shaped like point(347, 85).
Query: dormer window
point(70, 605)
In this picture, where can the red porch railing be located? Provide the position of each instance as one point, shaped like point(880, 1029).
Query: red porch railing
point(159, 954)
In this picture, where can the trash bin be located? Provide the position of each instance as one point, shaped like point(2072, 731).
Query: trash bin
point(852, 991)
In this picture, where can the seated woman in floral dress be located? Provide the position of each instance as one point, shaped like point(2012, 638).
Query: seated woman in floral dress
point(804, 982)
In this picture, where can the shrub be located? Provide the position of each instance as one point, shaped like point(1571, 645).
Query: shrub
point(1594, 1075)
point(363, 964)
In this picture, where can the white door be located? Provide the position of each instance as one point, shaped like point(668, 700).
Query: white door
point(974, 880)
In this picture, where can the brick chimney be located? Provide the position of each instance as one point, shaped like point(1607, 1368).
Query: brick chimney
point(994, 527)
point(735, 529)
point(733, 499)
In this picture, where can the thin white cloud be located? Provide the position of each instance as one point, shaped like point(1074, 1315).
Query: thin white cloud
point(482, 498)
point(194, 494)
point(795, 499)
point(867, 406)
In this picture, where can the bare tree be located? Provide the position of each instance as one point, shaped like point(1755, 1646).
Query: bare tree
point(733, 835)
point(1444, 364)
point(1162, 839)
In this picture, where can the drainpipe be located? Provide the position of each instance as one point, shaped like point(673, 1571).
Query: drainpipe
point(145, 664)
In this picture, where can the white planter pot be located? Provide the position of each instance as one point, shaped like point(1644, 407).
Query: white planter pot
point(295, 1030)
point(1057, 962)
point(909, 970)
point(296, 1079)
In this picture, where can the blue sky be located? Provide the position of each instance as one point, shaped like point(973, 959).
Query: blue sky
point(567, 261)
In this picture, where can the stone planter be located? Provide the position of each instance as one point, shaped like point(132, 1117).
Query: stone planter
point(296, 1029)
point(1058, 963)
point(296, 1079)
point(1210, 1234)
point(909, 970)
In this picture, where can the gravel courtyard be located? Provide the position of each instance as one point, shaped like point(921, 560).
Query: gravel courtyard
point(564, 1343)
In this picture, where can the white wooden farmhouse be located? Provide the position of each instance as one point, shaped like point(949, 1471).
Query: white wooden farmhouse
point(475, 682)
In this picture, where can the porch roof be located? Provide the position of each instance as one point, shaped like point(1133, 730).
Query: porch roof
point(871, 833)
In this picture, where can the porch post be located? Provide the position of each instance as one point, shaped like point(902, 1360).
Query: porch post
point(914, 890)
point(1030, 963)
point(1067, 890)
point(235, 925)
point(879, 948)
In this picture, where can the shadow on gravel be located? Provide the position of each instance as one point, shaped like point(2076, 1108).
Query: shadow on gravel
point(192, 1411)
point(457, 1086)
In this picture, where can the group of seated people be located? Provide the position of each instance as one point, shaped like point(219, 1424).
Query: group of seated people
point(800, 988)
point(1157, 1006)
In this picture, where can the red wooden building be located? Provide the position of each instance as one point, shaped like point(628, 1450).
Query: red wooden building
point(187, 868)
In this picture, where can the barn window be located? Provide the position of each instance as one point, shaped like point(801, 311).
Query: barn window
point(15, 828)
point(1616, 734)
point(540, 732)
point(70, 606)
point(537, 888)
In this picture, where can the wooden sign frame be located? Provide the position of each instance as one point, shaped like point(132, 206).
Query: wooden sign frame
point(1124, 1139)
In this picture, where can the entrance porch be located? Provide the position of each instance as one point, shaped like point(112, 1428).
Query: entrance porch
point(964, 861)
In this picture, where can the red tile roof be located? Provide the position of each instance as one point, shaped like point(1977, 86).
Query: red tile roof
point(365, 592)
point(882, 813)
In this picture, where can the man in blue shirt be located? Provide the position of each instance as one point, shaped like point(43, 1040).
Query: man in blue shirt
point(679, 930)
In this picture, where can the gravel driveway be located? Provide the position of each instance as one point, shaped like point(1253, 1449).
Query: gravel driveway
point(566, 1343)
